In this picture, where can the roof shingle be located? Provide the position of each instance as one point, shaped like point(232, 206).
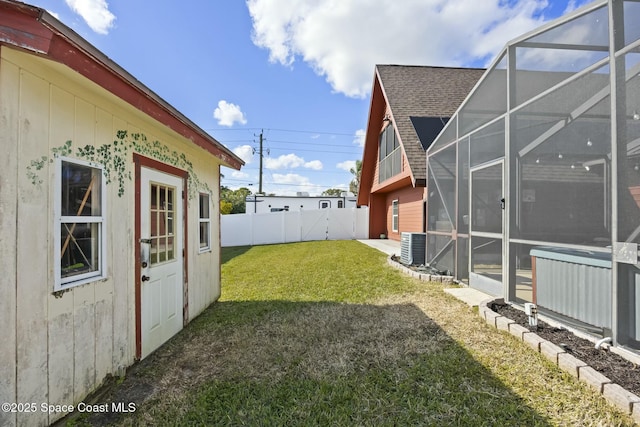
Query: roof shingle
point(423, 91)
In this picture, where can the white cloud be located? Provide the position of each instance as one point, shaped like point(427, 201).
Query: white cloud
point(54, 14)
point(95, 13)
point(343, 40)
point(245, 152)
point(358, 138)
point(314, 164)
point(239, 175)
point(291, 161)
point(285, 161)
point(347, 165)
point(228, 114)
point(290, 178)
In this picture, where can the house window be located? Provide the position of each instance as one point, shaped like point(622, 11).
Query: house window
point(205, 222)
point(390, 154)
point(79, 229)
point(394, 216)
point(324, 204)
point(340, 204)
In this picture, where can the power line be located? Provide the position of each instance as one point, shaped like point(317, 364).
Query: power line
point(316, 132)
point(249, 183)
point(310, 142)
point(300, 170)
point(225, 141)
point(313, 151)
point(282, 130)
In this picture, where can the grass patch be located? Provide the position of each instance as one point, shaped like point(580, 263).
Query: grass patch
point(339, 271)
point(325, 333)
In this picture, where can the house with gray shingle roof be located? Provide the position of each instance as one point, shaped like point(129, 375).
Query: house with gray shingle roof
point(409, 107)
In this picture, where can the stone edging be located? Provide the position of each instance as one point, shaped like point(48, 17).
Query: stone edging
point(422, 276)
point(614, 393)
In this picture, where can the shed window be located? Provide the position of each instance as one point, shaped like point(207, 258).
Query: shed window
point(205, 222)
point(79, 223)
point(394, 213)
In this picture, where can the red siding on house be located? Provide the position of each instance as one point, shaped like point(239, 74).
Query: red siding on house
point(382, 195)
point(635, 193)
point(377, 217)
point(410, 211)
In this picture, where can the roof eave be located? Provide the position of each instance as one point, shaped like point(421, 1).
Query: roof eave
point(62, 44)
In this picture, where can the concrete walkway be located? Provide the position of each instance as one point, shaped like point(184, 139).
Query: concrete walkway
point(389, 247)
point(469, 296)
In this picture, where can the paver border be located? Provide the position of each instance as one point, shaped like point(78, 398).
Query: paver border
point(614, 393)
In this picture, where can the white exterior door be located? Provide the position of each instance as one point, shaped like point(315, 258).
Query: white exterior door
point(161, 248)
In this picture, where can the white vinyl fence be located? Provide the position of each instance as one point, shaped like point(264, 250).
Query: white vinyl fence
point(285, 227)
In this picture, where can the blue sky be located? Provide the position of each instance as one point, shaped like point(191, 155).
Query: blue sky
point(299, 71)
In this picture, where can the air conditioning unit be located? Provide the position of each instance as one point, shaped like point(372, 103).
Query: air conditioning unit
point(412, 248)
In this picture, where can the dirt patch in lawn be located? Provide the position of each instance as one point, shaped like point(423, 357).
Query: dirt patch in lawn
point(613, 366)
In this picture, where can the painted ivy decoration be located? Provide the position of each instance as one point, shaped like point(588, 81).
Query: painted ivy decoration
point(114, 159)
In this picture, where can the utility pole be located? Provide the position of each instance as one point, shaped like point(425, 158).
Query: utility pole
point(260, 182)
point(260, 152)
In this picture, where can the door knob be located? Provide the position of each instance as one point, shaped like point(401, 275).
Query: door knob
point(145, 278)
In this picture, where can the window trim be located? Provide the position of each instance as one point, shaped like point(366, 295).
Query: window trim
point(61, 283)
point(201, 220)
point(395, 215)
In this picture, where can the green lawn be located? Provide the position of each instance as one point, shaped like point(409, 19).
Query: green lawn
point(326, 334)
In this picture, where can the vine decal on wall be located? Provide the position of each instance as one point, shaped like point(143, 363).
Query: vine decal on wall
point(114, 159)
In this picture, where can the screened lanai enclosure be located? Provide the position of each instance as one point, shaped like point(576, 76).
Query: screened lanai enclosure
point(534, 184)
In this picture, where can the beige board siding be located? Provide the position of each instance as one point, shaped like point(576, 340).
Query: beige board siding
point(204, 273)
point(9, 76)
point(104, 294)
point(64, 344)
point(32, 243)
point(121, 229)
point(59, 349)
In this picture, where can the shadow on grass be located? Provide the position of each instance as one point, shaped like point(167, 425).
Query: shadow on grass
point(228, 253)
point(315, 363)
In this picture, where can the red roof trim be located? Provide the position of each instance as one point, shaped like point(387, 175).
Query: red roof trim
point(33, 29)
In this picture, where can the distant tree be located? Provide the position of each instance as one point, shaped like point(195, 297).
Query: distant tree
point(354, 185)
point(237, 198)
point(332, 192)
point(225, 207)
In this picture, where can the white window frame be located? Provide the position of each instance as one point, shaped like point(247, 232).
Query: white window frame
point(395, 215)
point(207, 221)
point(62, 283)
